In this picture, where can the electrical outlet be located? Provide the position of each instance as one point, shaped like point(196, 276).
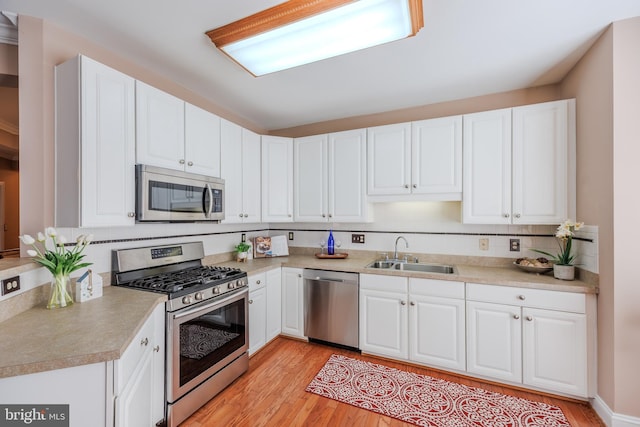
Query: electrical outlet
point(484, 244)
point(11, 284)
point(357, 238)
point(243, 238)
point(291, 235)
point(514, 245)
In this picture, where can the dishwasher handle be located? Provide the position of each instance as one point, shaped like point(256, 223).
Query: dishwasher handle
point(330, 276)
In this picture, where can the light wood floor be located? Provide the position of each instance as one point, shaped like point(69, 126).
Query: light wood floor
point(272, 393)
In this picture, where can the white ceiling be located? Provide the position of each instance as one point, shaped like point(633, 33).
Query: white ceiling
point(467, 48)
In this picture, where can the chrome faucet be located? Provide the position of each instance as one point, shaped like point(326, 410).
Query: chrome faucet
point(395, 252)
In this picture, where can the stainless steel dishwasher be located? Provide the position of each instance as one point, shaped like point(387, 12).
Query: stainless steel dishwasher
point(331, 307)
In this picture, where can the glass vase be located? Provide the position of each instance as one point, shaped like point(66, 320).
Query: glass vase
point(60, 292)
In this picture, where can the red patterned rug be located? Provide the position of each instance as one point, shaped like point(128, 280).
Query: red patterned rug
point(427, 401)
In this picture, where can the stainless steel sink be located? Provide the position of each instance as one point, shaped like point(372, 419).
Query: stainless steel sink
point(381, 264)
point(426, 268)
point(406, 266)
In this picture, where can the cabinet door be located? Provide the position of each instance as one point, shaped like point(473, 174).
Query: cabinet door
point(251, 197)
point(310, 179)
point(159, 128)
point(555, 351)
point(347, 176)
point(383, 323)
point(274, 303)
point(257, 319)
point(292, 302)
point(486, 184)
point(436, 153)
point(159, 350)
point(108, 146)
point(437, 331)
point(494, 341)
point(389, 159)
point(277, 179)
point(133, 405)
point(231, 170)
point(202, 141)
point(541, 163)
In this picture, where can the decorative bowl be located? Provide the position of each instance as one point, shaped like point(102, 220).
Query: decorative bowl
point(532, 269)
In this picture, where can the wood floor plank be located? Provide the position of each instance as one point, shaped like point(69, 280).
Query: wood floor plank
point(272, 393)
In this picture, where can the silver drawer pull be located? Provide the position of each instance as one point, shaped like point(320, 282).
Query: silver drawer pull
point(250, 301)
point(529, 318)
point(258, 282)
point(516, 316)
point(145, 341)
point(156, 349)
point(521, 297)
point(412, 303)
point(403, 302)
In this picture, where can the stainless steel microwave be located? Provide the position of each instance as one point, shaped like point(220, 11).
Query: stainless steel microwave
point(166, 195)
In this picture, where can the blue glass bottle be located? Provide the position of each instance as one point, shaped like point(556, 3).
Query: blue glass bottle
point(330, 244)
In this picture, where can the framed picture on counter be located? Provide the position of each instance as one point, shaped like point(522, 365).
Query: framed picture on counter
point(266, 246)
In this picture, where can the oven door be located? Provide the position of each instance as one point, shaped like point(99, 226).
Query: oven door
point(174, 196)
point(203, 339)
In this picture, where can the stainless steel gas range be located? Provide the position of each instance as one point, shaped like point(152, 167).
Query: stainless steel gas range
point(207, 320)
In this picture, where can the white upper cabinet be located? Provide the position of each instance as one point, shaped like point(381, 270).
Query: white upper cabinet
point(277, 179)
point(389, 159)
point(329, 173)
point(240, 168)
point(519, 165)
point(95, 141)
point(174, 134)
point(436, 156)
point(422, 160)
point(202, 141)
point(159, 128)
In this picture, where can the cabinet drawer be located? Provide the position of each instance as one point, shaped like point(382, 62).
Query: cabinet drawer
point(536, 298)
point(379, 282)
point(436, 288)
point(257, 281)
point(126, 365)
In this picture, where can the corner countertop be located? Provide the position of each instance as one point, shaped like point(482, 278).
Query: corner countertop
point(94, 331)
point(501, 276)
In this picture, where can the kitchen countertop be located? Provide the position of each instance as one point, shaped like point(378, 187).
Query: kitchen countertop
point(100, 330)
point(94, 331)
point(502, 276)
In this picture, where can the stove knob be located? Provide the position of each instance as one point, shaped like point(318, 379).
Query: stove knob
point(239, 283)
point(187, 299)
point(231, 285)
point(216, 290)
point(199, 296)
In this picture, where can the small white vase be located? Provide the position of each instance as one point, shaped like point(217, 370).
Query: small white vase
point(564, 272)
point(241, 256)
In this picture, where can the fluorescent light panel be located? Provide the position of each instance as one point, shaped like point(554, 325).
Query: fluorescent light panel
point(354, 26)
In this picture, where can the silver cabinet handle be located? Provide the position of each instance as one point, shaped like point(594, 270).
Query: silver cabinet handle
point(516, 316)
point(189, 163)
point(181, 161)
point(240, 215)
point(412, 303)
point(505, 215)
point(517, 215)
point(156, 349)
point(403, 302)
point(330, 216)
point(145, 341)
point(406, 186)
point(250, 301)
point(324, 216)
point(246, 215)
point(521, 297)
point(289, 215)
point(258, 282)
point(529, 318)
point(131, 214)
point(299, 275)
point(415, 185)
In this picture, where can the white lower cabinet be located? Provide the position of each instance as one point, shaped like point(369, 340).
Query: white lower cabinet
point(265, 303)
point(138, 376)
point(292, 302)
point(542, 339)
point(421, 320)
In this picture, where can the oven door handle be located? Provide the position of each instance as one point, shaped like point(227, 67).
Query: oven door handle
point(207, 212)
point(205, 307)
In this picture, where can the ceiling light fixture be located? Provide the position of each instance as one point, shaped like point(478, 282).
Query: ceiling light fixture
point(299, 32)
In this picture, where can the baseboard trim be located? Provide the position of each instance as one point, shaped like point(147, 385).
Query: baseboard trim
point(610, 418)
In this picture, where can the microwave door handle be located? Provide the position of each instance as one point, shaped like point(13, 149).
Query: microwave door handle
point(207, 213)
